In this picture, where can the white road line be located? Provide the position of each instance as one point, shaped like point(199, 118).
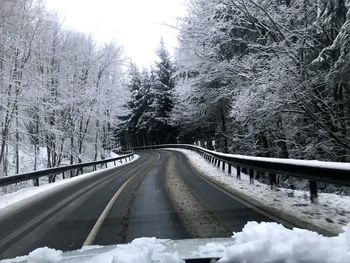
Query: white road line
point(158, 157)
point(36, 220)
point(93, 233)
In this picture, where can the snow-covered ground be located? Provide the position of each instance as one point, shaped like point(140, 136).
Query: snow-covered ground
point(256, 243)
point(9, 201)
point(330, 213)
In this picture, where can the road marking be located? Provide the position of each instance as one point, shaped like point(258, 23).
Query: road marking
point(93, 233)
point(158, 157)
point(48, 213)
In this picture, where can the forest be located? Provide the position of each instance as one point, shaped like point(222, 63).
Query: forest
point(59, 91)
point(254, 77)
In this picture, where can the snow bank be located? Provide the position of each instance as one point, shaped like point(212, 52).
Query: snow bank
point(8, 200)
point(331, 212)
point(256, 243)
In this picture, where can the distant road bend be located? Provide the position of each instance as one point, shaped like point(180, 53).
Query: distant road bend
point(158, 195)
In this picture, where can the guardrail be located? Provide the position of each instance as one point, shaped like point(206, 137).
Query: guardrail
point(314, 171)
point(35, 175)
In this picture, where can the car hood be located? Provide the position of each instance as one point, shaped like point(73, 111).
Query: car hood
point(139, 250)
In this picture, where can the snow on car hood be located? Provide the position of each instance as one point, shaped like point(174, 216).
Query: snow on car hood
point(258, 242)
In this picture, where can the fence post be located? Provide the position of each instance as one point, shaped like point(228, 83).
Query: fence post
point(238, 168)
point(272, 181)
point(36, 181)
point(313, 191)
point(251, 176)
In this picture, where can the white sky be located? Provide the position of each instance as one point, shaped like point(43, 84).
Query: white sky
point(138, 25)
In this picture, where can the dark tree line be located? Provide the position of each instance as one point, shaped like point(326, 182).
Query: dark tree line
point(151, 104)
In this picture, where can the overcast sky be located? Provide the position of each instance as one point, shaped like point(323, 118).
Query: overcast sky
point(136, 24)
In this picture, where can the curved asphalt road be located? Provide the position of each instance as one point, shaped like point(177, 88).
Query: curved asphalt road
point(64, 218)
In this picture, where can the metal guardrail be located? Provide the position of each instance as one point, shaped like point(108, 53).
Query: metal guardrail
point(313, 171)
point(35, 175)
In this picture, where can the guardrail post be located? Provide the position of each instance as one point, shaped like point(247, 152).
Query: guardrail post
point(106, 164)
point(313, 191)
point(238, 169)
point(95, 168)
point(272, 181)
point(218, 163)
point(121, 160)
point(129, 158)
point(251, 176)
point(223, 166)
point(63, 176)
point(36, 181)
point(114, 163)
point(229, 169)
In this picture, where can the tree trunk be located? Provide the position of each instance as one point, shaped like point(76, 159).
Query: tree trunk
point(17, 141)
point(96, 141)
point(223, 127)
point(71, 153)
point(347, 117)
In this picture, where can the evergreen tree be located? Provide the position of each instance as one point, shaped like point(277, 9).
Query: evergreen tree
point(163, 97)
point(152, 102)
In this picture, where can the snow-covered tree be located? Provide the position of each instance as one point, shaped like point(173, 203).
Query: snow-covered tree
point(274, 73)
point(60, 94)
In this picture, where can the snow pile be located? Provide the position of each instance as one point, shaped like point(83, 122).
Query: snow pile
point(257, 243)
point(272, 242)
point(330, 213)
point(44, 255)
point(139, 250)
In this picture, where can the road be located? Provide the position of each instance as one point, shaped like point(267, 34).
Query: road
point(159, 195)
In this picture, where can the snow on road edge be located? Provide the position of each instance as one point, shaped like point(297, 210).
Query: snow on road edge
point(9, 201)
point(331, 213)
